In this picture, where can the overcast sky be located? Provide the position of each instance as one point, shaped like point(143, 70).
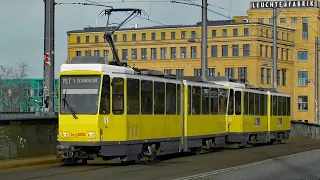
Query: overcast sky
point(21, 28)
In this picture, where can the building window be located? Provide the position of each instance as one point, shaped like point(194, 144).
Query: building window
point(235, 32)
point(179, 72)
point(88, 53)
point(261, 50)
point(134, 54)
point(193, 34)
point(115, 38)
point(163, 53)
point(124, 37)
point(163, 35)
point(173, 52)
point(235, 50)
point(303, 103)
point(261, 32)
point(214, 51)
point(284, 77)
point(211, 72)
point(78, 39)
point(246, 31)
point(282, 20)
point(173, 35)
point(266, 51)
point(294, 20)
point(224, 50)
point(96, 39)
point(287, 54)
point(197, 72)
point(278, 77)
point(193, 51)
point(214, 33)
point(183, 51)
point(243, 73)
point(167, 71)
point(305, 28)
point(267, 33)
point(78, 53)
point(153, 36)
point(246, 50)
point(229, 72)
point(143, 53)
point(143, 36)
point(183, 34)
point(260, 20)
point(302, 78)
point(270, 21)
point(87, 39)
point(106, 54)
point(153, 53)
point(124, 54)
point(268, 76)
point(96, 52)
point(262, 76)
point(302, 55)
point(224, 32)
point(134, 37)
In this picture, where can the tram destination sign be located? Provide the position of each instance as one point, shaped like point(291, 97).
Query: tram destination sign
point(282, 4)
point(69, 80)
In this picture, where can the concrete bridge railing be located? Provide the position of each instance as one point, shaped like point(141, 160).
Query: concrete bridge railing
point(37, 135)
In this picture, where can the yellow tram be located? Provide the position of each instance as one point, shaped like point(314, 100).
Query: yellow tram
point(116, 112)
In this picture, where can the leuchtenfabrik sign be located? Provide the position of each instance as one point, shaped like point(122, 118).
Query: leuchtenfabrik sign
point(282, 4)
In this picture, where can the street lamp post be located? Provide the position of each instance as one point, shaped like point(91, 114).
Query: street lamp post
point(204, 35)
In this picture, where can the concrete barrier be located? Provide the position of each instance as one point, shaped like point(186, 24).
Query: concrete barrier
point(28, 137)
point(302, 130)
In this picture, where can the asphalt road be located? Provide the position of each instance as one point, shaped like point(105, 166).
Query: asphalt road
point(179, 167)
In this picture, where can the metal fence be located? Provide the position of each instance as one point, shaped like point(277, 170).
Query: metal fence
point(28, 137)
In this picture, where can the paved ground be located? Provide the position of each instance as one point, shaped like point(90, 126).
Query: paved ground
point(169, 169)
point(304, 166)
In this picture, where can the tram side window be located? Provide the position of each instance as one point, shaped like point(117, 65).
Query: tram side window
point(159, 88)
point(171, 98)
point(257, 104)
point(205, 101)
point(117, 96)
point(196, 100)
point(133, 96)
point(146, 97)
point(214, 100)
point(231, 103)
point(262, 104)
point(280, 113)
point(284, 106)
point(223, 99)
point(251, 104)
point(246, 103)
point(105, 96)
point(178, 99)
point(189, 100)
point(274, 106)
point(288, 106)
point(238, 103)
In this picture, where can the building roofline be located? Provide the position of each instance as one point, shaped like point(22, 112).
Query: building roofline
point(210, 24)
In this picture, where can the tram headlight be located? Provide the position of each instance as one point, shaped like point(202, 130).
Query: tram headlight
point(65, 134)
point(91, 134)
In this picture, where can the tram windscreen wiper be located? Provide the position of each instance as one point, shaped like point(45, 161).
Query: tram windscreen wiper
point(65, 102)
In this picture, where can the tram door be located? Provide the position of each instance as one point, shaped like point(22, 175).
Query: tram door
point(234, 120)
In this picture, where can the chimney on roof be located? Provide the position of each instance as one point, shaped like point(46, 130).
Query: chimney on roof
point(134, 26)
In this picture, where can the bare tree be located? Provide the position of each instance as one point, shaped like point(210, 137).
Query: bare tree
point(14, 88)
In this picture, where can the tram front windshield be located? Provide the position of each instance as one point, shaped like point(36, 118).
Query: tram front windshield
point(79, 94)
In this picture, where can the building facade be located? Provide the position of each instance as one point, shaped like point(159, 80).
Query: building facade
point(238, 48)
point(24, 95)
